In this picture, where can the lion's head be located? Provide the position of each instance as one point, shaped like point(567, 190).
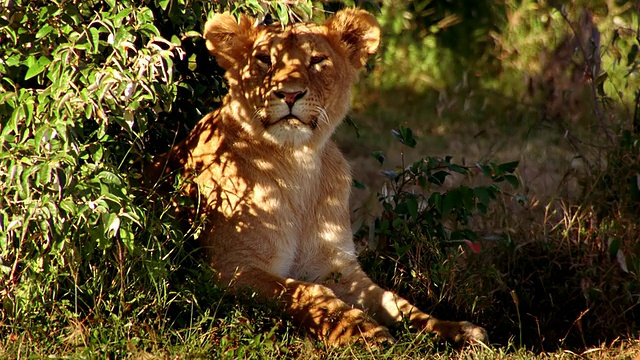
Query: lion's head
point(291, 86)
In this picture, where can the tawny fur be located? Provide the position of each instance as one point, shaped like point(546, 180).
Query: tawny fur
point(273, 186)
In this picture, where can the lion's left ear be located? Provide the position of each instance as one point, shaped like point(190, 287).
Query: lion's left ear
point(358, 31)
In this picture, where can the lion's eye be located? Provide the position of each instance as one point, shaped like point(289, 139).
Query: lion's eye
point(317, 59)
point(264, 58)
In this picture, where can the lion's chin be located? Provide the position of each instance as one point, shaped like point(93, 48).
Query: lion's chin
point(289, 131)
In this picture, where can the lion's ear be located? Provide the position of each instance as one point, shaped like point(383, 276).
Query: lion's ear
point(358, 31)
point(228, 39)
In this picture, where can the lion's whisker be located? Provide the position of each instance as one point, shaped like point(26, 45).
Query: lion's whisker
point(324, 117)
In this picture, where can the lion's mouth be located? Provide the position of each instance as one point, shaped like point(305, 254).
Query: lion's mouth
point(292, 120)
point(289, 118)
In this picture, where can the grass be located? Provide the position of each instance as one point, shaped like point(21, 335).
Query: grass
point(243, 340)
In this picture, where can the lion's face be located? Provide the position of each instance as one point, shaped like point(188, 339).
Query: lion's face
point(291, 86)
point(288, 81)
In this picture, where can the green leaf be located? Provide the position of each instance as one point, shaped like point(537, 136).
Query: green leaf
point(128, 238)
point(13, 60)
point(401, 209)
point(485, 169)
point(513, 180)
point(614, 246)
point(164, 4)
point(483, 195)
point(509, 167)
point(149, 30)
point(457, 168)
point(435, 200)
point(600, 84)
point(12, 34)
point(422, 181)
point(378, 155)
point(117, 20)
point(44, 174)
point(94, 39)
point(44, 31)
point(306, 9)
point(405, 135)
point(111, 225)
point(412, 207)
point(191, 34)
point(282, 12)
point(68, 206)
point(438, 177)
point(633, 53)
point(481, 208)
point(449, 199)
point(37, 67)
point(107, 177)
point(467, 197)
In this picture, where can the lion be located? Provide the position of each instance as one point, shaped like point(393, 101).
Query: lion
point(274, 188)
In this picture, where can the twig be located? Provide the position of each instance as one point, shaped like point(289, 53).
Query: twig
point(593, 76)
point(636, 112)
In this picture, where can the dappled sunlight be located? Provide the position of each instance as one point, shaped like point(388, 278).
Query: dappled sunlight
point(329, 232)
point(274, 189)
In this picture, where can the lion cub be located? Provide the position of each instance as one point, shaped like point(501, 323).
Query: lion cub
point(275, 188)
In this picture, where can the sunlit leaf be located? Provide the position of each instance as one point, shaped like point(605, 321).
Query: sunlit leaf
point(37, 67)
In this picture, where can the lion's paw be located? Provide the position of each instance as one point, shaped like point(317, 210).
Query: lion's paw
point(354, 325)
point(471, 333)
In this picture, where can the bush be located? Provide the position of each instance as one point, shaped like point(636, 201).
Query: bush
point(89, 91)
point(426, 230)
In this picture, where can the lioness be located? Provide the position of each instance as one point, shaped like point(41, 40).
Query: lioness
point(275, 188)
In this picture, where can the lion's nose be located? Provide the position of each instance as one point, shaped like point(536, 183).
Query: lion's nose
point(290, 97)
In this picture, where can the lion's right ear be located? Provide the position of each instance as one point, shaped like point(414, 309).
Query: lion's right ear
point(228, 39)
point(358, 31)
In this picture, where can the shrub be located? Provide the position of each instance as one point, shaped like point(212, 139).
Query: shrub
point(89, 91)
point(426, 219)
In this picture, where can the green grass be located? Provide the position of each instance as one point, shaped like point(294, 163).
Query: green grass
point(237, 337)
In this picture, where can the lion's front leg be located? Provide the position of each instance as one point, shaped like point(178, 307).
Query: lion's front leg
point(388, 308)
point(315, 308)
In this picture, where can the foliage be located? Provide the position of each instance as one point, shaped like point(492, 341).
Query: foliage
point(462, 26)
point(89, 90)
point(426, 33)
point(425, 219)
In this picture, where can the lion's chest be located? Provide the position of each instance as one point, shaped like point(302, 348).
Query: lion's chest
point(267, 209)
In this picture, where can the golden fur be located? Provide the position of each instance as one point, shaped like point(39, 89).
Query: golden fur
point(273, 186)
